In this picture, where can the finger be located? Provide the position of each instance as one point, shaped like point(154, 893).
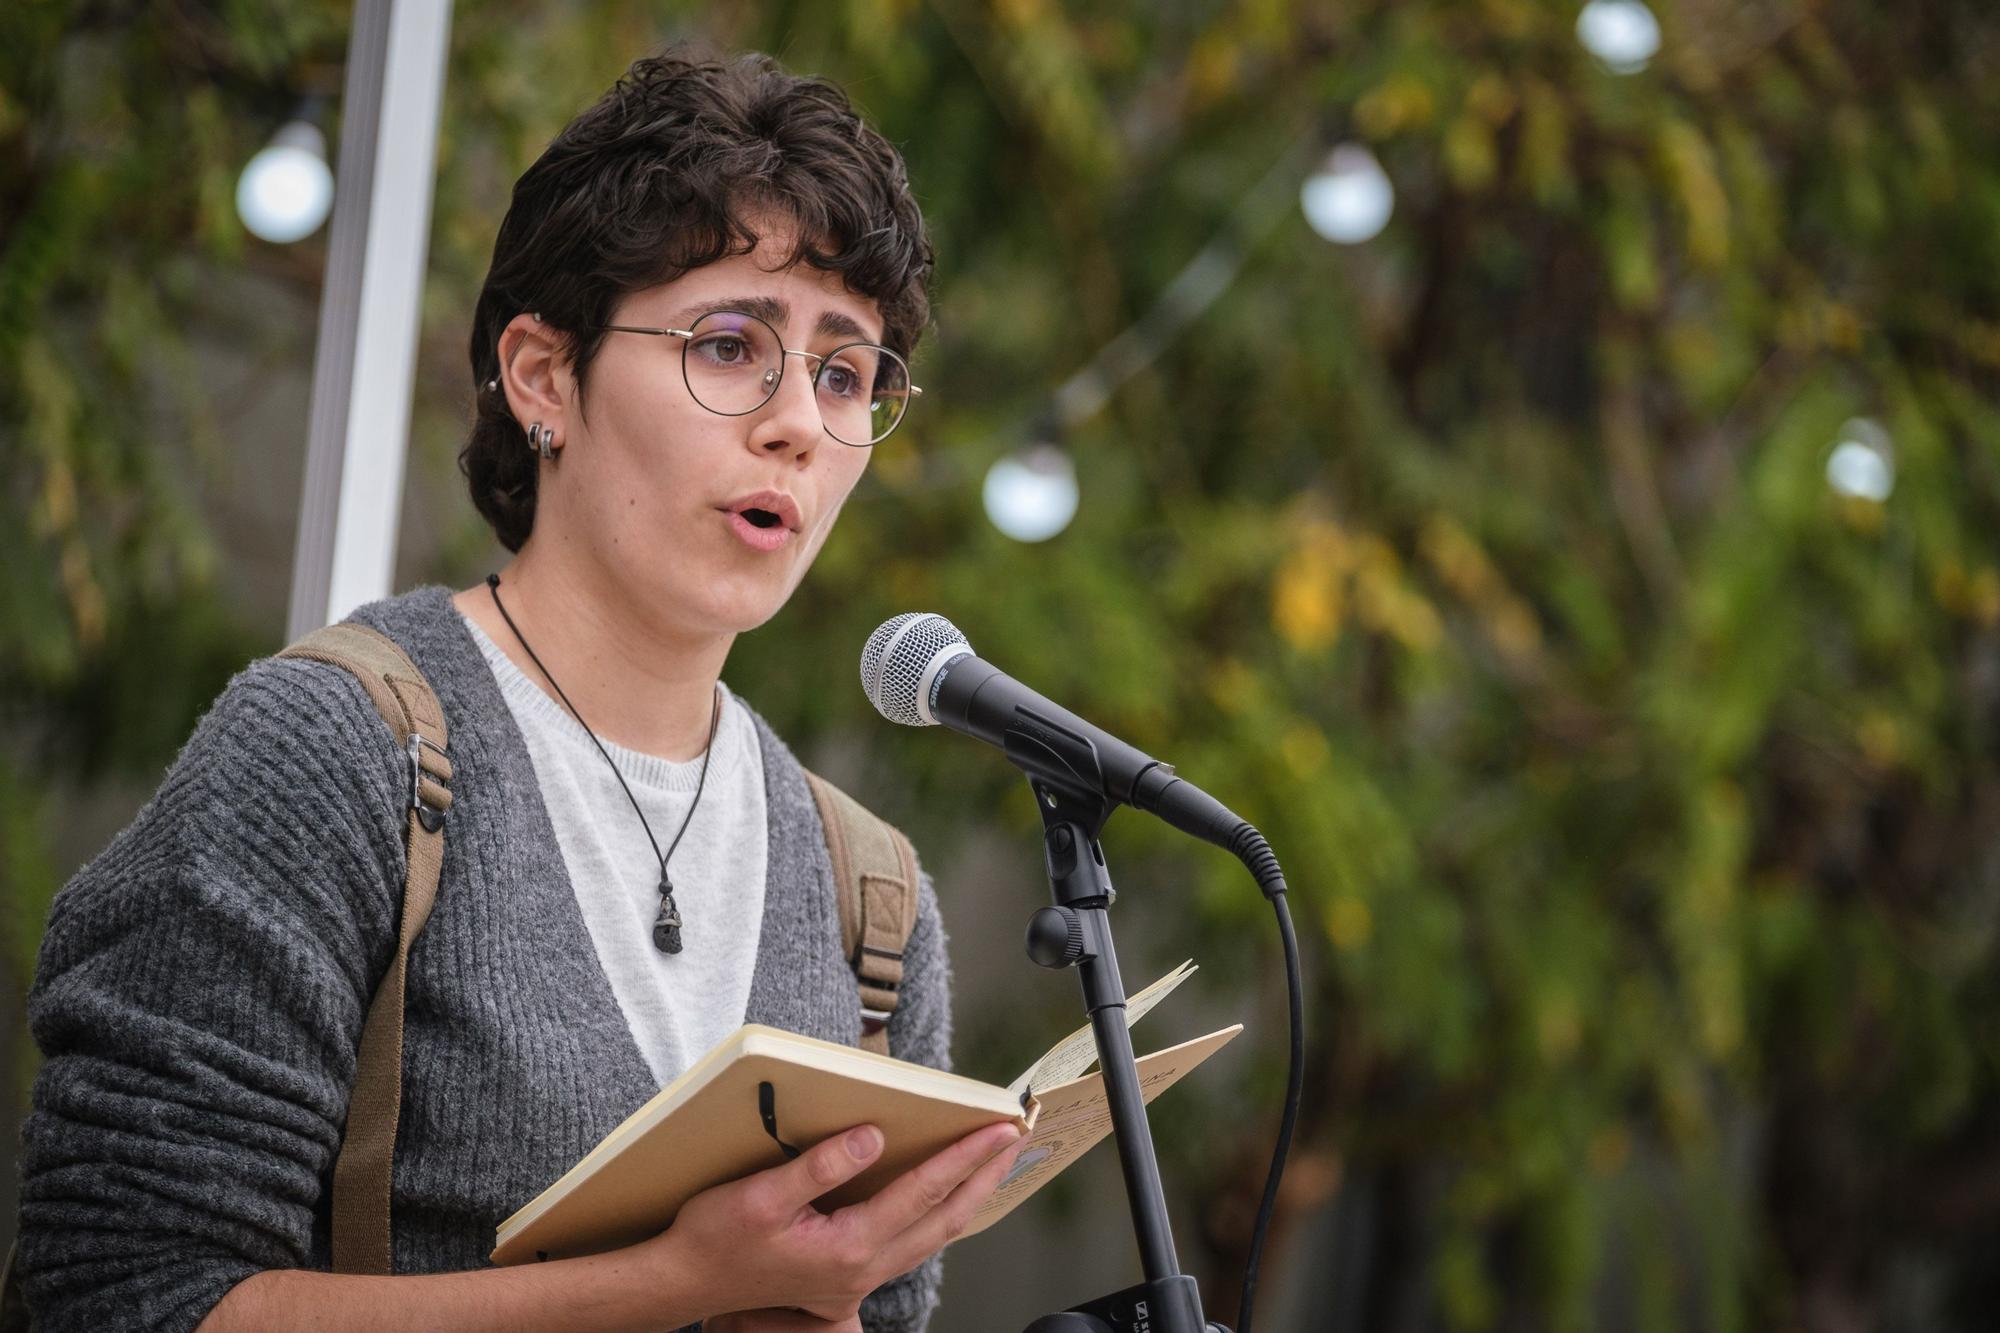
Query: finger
point(947, 1222)
point(923, 1188)
point(783, 1190)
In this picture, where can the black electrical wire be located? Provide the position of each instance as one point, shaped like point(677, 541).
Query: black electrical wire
point(1254, 852)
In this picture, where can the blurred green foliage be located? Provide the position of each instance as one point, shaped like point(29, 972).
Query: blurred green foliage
point(1638, 791)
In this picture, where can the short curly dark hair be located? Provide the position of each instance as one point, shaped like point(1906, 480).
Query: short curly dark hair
point(660, 177)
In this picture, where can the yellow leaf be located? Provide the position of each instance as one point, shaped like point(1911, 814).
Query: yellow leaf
point(1880, 738)
point(1544, 146)
point(1018, 14)
point(1457, 559)
point(1469, 155)
point(1690, 164)
point(1400, 103)
point(1308, 593)
point(1842, 326)
point(1306, 604)
point(1212, 67)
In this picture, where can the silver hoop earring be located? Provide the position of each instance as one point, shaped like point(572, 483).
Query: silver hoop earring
point(538, 439)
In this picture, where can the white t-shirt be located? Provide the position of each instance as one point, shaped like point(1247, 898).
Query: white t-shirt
point(678, 1005)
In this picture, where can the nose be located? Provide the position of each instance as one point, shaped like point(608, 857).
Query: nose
point(789, 423)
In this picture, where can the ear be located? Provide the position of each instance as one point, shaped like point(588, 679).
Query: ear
point(535, 374)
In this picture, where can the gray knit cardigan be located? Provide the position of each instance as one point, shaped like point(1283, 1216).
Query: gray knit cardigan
point(202, 984)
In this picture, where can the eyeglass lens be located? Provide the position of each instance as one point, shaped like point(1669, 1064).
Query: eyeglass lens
point(734, 362)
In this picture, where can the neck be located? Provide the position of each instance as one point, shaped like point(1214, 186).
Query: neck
point(635, 681)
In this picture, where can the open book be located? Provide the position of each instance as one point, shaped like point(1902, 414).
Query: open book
point(761, 1091)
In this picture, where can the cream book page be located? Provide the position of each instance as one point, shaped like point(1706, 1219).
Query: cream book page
point(1069, 1119)
point(1075, 1054)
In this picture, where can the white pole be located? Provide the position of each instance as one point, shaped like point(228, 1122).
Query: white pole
point(365, 362)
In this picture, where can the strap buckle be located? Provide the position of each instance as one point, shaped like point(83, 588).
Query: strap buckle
point(430, 816)
point(863, 952)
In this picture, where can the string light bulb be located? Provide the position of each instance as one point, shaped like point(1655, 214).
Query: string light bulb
point(1349, 199)
point(1032, 495)
point(286, 189)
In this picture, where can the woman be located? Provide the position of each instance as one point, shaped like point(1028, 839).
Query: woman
point(691, 335)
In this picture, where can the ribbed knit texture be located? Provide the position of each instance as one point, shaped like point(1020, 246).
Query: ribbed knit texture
point(202, 985)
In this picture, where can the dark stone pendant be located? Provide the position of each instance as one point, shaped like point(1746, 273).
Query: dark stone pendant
point(667, 925)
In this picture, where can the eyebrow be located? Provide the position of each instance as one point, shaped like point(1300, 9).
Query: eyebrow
point(776, 313)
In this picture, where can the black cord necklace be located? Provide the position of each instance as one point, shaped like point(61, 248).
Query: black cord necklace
point(666, 926)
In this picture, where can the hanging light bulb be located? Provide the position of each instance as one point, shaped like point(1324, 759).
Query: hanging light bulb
point(1621, 33)
point(1032, 495)
point(1862, 465)
point(286, 190)
point(1349, 199)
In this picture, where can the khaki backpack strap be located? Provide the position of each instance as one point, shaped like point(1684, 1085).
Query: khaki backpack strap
point(875, 876)
point(361, 1174)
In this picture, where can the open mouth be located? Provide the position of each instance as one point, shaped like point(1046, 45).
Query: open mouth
point(761, 518)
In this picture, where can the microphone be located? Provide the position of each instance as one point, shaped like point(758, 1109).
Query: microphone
point(918, 670)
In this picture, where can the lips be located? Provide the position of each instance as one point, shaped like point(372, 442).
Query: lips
point(766, 510)
point(763, 521)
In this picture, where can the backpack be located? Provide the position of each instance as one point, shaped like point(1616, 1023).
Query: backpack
point(874, 873)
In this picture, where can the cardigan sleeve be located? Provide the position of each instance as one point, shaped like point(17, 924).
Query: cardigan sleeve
point(920, 1032)
point(198, 999)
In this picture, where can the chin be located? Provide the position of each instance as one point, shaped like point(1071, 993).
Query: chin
point(730, 602)
point(741, 614)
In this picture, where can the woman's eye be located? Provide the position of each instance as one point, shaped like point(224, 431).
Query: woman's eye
point(727, 348)
point(840, 381)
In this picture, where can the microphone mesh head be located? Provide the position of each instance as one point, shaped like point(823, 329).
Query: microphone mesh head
point(895, 657)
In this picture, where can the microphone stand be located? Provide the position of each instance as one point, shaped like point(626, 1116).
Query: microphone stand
point(1076, 932)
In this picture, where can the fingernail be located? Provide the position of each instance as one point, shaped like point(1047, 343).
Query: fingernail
point(864, 1143)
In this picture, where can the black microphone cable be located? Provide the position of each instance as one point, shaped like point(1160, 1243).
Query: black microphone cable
point(1256, 854)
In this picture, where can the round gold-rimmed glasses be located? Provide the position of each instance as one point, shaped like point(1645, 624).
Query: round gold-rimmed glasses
point(733, 362)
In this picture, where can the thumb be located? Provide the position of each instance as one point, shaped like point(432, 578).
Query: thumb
point(828, 1163)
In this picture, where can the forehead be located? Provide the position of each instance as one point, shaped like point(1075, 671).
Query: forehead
point(797, 299)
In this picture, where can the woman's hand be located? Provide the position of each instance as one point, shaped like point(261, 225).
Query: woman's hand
point(758, 1244)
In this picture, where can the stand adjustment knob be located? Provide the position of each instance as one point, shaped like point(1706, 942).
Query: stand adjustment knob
point(1055, 937)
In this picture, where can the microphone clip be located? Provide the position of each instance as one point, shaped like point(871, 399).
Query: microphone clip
point(1071, 823)
point(1063, 768)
